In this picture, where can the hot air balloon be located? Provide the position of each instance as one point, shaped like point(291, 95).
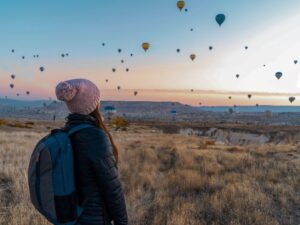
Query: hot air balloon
point(42, 69)
point(230, 97)
point(18, 94)
point(178, 50)
point(62, 55)
point(119, 50)
point(37, 56)
point(295, 61)
point(119, 87)
point(180, 5)
point(220, 18)
point(200, 103)
point(192, 29)
point(186, 10)
point(12, 76)
point(106, 80)
point(23, 57)
point(67, 54)
point(113, 69)
point(292, 99)
point(193, 57)
point(103, 44)
point(249, 96)
point(278, 75)
point(135, 93)
point(210, 48)
point(12, 50)
point(122, 61)
point(246, 47)
point(11, 85)
point(127, 69)
point(237, 76)
point(192, 90)
point(131, 54)
point(264, 65)
point(145, 46)
point(27, 92)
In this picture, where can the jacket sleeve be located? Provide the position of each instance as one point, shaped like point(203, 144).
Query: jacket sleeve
point(104, 166)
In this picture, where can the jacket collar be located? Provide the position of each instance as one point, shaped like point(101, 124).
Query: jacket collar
point(76, 118)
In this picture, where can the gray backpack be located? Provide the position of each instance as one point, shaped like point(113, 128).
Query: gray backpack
point(51, 177)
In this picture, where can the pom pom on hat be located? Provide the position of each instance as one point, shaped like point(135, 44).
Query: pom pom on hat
point(65, 91)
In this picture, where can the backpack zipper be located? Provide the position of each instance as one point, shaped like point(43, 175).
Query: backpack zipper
point(63, 176)
point(37, 182)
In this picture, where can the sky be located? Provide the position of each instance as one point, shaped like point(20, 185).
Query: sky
point(50, 28)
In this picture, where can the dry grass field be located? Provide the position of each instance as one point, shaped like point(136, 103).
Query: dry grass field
point(171, 179)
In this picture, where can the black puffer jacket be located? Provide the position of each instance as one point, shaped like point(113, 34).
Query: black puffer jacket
point(96, 174)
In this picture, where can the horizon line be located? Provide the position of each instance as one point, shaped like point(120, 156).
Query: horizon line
point(148, 101)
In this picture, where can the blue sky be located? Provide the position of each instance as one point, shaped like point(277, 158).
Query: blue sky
point(78, 27)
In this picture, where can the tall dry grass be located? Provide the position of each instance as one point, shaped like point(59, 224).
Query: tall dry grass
point(170, 179)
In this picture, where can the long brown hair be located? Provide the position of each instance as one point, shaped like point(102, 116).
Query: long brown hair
point(96, 114)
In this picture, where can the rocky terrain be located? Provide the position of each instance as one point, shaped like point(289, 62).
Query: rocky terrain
point(237, 134)
point(235, 128)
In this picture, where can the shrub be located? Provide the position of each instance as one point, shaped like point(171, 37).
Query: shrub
point(2, 122)
point(19, 125)
point(119, 123)
point(30, 123)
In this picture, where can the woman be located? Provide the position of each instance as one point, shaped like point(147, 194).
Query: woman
point(95, 156)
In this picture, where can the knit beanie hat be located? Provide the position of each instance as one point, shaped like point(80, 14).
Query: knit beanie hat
point(80, 95)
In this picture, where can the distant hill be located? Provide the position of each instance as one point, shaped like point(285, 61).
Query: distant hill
point(22, 103)
point(136, 107)
point(139, 110)
point(156, 111)
point(254, 109)
point(147, 106)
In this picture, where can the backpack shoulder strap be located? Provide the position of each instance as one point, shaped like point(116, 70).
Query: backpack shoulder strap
point(78, 128)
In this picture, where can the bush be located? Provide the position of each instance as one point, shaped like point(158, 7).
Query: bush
point(19, 125)
point(30, 123)
point(2, 122)
point(119, 123)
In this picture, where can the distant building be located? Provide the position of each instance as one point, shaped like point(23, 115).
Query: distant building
point(173, 113)
point(109, 111)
